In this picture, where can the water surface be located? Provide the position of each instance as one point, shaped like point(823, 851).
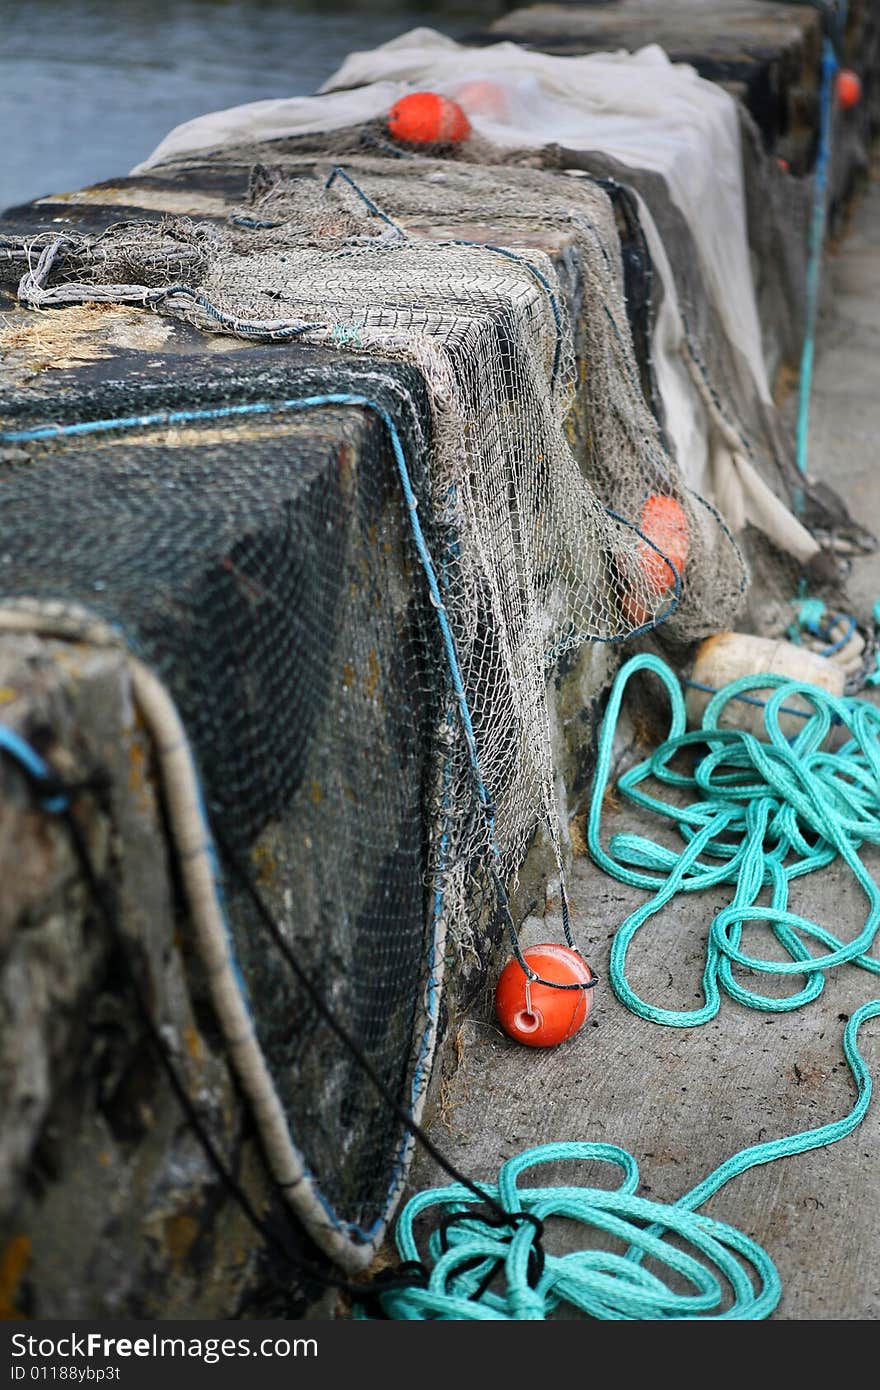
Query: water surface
point(89, 87)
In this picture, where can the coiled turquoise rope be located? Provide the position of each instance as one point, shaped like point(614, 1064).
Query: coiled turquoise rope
point(762, 814)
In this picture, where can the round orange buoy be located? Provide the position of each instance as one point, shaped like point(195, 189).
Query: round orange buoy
point(542, 1016)
point(849, 89)
point(481, 97)
point(664, 521)
point(424, 118)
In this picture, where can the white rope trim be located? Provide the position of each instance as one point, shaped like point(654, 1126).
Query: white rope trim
point(194, 848)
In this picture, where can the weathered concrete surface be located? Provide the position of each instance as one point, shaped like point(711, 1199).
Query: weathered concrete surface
point(107, 1204)
point(740, 29)
point(845, 406)
point(683, 1100)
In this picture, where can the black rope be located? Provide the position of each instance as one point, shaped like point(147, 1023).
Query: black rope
point(327, 1014)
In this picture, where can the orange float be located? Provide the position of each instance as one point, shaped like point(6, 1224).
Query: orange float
point(542, 1016)
point(425, 118)
point(849, 89)
point(481, 97)
point(664, 521)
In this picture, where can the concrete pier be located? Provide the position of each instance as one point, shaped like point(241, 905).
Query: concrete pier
point(108, 1206)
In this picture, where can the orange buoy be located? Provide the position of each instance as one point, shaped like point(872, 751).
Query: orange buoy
point(664, 521)
point(542, 1016)
point(424, 118)
point(481, 97)
point(849, 89)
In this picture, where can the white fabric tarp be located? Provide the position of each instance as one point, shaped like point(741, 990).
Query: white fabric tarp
point(275, 120)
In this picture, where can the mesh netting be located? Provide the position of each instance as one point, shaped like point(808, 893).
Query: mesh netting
point(541, 564)
point(777, 214)
point(274, 587)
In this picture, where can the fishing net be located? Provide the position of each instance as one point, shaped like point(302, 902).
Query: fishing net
point(706, 386)
point(359, 651)
point(529, 464)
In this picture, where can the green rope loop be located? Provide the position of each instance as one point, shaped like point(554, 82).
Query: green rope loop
point(760, 814)
point(726, 1274)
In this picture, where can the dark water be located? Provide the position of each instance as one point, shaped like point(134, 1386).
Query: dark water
point(89, 87)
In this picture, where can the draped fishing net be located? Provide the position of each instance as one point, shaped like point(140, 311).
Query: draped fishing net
point(542, 477)
point(282, 594)
point(726, 230)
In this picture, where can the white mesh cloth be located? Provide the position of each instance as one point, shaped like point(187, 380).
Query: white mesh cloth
point(638, 108)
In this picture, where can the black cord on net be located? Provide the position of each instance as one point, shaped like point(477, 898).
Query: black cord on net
point(403, 1276)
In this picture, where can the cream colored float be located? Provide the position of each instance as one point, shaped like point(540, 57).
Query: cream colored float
point(729, 655)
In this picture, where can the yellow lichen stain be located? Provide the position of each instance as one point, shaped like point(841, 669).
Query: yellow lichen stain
point(139, 776)
point(13, 1263)
point(7, 694)
point(643, 731)
point(140, 721)
point(578, 840)
point(316, 795)
point(136, 768)
point(180, 1236)
point(371, 681)
point(265, 864)
point(784, 384)
point(70, 663)
point(104, 1159)
point(348, 675)
point(192, 1042)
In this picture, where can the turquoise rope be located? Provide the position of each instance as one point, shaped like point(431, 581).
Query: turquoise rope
point(711, 1256)
point(874, 677)
point(760, 814)
point(814, 267)
point(18, 748)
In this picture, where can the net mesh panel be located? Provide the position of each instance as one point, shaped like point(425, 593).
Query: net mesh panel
point(274, 588)
point(529, 454)
point(264, 569)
